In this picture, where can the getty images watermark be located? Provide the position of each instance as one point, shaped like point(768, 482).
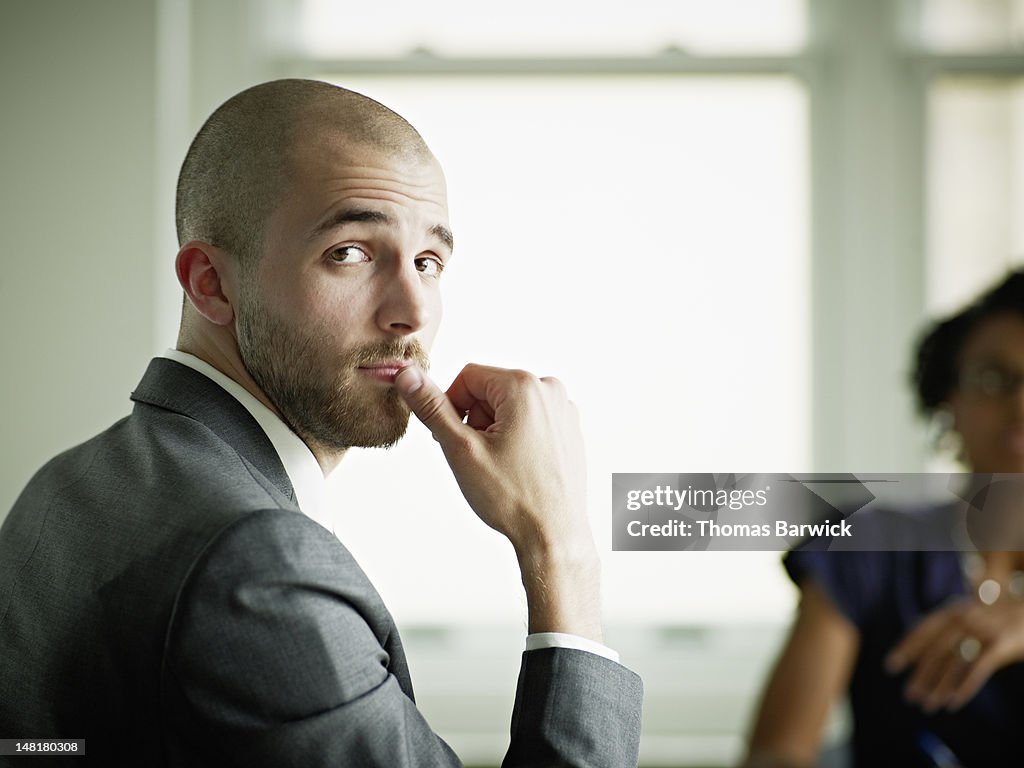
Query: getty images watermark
point(826, 511)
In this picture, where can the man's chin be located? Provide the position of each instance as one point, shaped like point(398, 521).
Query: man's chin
point(387, 440)
point(383, 432)
point(352, 420)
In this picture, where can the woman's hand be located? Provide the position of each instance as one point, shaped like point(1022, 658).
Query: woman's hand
point(954, 650)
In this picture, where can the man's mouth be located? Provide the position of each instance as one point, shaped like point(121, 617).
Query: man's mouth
point(384, 371)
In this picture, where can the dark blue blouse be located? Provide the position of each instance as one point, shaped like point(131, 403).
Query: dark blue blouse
point(884, 594)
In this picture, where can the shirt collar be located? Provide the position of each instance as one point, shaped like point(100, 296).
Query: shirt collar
point(299, 462)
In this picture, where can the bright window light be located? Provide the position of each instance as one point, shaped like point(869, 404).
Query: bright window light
point(972, 25)
point(645, 239)
point(975, 186)
point(541, 28)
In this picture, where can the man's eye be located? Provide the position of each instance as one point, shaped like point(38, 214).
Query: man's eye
point(429, 266)
point(348, 254)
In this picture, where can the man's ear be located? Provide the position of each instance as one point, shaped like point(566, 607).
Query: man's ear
point(205, 273)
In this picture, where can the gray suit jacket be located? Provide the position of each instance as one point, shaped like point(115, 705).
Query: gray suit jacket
point(162, 597)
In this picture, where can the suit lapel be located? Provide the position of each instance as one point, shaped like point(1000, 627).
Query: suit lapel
point(176, 387)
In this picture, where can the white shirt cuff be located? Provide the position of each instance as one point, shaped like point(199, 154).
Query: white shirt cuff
point(539, 640)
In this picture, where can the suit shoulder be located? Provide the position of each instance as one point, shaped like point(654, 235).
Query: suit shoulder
point(155, 465)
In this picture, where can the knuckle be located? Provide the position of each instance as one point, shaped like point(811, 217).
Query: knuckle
point(431, 410)
point(555, 386)
point(523, 378)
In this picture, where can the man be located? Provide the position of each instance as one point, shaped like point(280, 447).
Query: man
point(162, 593)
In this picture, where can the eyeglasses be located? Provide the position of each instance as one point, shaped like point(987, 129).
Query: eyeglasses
point(990, 380)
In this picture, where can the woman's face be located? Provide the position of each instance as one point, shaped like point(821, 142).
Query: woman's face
point(988, 403)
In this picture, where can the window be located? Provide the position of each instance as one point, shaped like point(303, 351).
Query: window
point(534, 28)
point(644, 239)
point(974, 51)
point(969, 26)
point(638, 224)
point(976, 185)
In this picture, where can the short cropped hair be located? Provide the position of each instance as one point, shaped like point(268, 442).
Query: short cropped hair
point(937, 354)
point(237, 165)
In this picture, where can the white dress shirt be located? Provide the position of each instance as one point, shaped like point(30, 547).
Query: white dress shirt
point(309, 484)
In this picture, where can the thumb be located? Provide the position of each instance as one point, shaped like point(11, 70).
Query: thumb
point(428, 402)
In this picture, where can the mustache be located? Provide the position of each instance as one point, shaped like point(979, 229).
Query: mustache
point(392, 349)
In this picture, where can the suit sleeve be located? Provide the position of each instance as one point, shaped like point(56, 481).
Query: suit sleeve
point(275, 656)
point(574, 708)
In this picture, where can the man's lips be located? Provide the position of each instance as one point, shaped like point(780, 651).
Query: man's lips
point(385, 371)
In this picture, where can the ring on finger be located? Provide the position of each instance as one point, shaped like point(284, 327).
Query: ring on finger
point(968, 649)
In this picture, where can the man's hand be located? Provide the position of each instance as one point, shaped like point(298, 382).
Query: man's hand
point(513, 442)
point(953, 651)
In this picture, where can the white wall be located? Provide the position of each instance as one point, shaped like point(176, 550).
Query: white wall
point(76, 207)
point(99, 102)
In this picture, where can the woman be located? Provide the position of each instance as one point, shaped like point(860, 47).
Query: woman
point(931, 666)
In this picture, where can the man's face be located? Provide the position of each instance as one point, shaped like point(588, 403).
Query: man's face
point(347, 290)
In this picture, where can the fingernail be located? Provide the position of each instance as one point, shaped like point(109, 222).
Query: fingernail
point(408, 380)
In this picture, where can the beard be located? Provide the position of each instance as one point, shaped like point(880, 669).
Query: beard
point(320, 393)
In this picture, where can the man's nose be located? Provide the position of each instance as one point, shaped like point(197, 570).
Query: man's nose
point(403, 308)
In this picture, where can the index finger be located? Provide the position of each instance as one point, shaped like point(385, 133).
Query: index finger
point(475, 385)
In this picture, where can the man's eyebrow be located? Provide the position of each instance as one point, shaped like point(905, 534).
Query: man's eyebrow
point(362, 215)
point(348, 216)
point(442, 233)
